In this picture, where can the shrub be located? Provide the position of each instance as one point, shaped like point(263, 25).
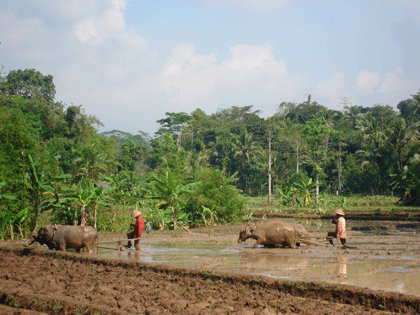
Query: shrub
point(217, 193)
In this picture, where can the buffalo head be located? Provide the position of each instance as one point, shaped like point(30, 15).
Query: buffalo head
point(31, 238)
point(244, 234)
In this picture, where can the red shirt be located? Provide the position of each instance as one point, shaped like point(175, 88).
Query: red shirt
point(340, 229)
point(138, 227)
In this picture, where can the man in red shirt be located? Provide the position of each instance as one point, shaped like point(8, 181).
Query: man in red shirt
point(340, 228)
point(138, 229)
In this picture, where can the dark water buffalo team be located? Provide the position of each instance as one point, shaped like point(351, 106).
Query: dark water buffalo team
point(271, 233)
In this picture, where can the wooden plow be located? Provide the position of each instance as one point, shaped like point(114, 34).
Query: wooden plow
point(119, 246)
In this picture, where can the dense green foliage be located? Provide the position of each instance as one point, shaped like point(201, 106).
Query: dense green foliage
point(198, 167)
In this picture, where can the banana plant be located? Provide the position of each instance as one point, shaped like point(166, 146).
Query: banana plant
point(306, 188)
point(171, 193)
point(118, 187)
point(5, 196)
point(86, 195)
point(158, 218)
point(42, 194)
point(212, 216)
point(9, 219)
point(286, 194)
point(126, 187)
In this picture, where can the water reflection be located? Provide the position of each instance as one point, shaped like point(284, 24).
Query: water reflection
point(342, 266)
point(268, 261)
point(134, 254)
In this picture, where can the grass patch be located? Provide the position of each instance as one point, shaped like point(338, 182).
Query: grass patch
point(328, 203)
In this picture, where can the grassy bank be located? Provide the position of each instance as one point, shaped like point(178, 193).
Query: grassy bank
point(376, 206)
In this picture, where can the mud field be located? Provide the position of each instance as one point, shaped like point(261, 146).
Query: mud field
point(208, 272)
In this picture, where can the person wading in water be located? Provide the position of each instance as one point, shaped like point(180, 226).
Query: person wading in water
point(138, 229)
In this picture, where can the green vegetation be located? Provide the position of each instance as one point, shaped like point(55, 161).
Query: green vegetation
point(199, 169)
point(12, 301)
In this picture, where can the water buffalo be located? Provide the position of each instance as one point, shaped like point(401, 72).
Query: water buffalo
point(60, 237)
point(275, 233)
point(33, 237)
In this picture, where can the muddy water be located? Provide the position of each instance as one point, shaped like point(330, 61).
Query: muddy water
point(385, 260)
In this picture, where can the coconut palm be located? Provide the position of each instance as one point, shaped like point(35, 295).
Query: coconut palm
point(244, 146)
point(374, 139)
point(400, 136)
point(353, 114)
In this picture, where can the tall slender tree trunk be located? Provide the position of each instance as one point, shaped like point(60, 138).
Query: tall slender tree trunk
point(83, 217)
point(297, 158)
point(178, 141)
point(95, 215)
point(269, 168)
point(339, 172)
point(192, 136)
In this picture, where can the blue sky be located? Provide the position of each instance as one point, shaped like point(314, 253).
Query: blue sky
point(129, 62)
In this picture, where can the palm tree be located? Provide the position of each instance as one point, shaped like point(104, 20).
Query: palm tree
point(353, 114)
point(197, 159)
point(245, 147)
point(399, 136)
point(374, 137)
point(91, 165)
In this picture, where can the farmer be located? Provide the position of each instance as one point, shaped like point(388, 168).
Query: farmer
point(340, 228)
point(138, 228)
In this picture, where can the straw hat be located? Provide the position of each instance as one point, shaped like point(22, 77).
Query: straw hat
point(135, 213)
point(339, 212)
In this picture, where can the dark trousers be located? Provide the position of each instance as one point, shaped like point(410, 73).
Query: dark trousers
point(136, 242)
point(334, 235)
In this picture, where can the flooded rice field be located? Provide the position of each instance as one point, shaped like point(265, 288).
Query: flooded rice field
point(386, 257)
point(208, 272)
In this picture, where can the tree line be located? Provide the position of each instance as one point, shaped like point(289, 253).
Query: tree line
point(196, 168)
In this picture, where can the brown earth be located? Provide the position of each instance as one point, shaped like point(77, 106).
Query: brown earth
point(38, 280)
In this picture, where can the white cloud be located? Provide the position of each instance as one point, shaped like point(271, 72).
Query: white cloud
point(96, 28)
point(366, 81)
point(86, 30)
point(393, 82)
point(97, 60)
point(191, 79)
